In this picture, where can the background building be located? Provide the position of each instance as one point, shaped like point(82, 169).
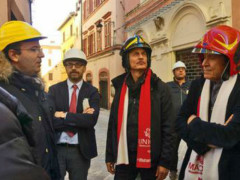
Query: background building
point(235, 14)
point(51, 63)
point(103, 35)
point(15, 10)
point(173, 27)
point(53, 70)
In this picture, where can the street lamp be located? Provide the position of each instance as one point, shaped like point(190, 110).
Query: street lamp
point(99, 27)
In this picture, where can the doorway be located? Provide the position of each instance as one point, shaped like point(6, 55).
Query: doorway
point(103, 90)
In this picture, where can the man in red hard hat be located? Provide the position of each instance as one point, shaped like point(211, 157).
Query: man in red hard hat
point(209, 118)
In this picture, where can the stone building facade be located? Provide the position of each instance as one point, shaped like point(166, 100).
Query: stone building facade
point(15, 10)
point(173, 27)
point(102, 27)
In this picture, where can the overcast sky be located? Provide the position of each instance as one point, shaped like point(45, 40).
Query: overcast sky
point(48, 15)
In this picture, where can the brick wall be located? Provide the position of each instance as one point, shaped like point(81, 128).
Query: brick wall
point(191, 60)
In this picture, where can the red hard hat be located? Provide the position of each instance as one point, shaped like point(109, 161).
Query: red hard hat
point(221, 40)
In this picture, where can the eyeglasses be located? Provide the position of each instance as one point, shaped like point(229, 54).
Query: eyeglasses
point(34, 50)
point(76, 65)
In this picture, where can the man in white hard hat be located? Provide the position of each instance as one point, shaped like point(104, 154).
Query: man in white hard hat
point(77, 110)
point(179, 89)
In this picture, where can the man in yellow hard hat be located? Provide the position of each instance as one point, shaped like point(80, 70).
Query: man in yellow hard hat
point(19, 41)
point(16, 139)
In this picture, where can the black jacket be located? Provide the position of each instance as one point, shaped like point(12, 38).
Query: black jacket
point(83, 124)
point(36, 102)
point(161, 123)
point(16, 157)
point(179, 94)
point(200, 133)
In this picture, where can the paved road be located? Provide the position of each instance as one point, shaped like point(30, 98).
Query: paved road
point(98, 169)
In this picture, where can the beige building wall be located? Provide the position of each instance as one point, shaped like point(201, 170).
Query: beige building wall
point(182, 25)
point(236, 14)
point(50, 64)
point(15, 10)
point(70, 31)
point(107, 60)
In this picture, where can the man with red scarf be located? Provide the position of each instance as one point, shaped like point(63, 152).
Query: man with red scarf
point(140, 138)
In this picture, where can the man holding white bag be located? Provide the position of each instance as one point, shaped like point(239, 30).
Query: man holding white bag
point(77, 110)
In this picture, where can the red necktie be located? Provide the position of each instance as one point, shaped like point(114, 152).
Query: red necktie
point(73, 105)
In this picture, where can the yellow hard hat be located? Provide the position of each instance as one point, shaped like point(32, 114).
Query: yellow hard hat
point(15, 31)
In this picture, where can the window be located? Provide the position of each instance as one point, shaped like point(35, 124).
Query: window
point(85, 46)
point(49, 62)
point(107, 32)
point(97, 3)
point(64, 37)
point(50, 76)
point(99, 41)
point(91, 44)
point(76, 31)
point(84, 10)
point(71, 30)
point(90, 6)
point(64, 51)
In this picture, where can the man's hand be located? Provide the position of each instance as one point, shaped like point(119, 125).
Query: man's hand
point(88, 111)
point(60, 114)
point(212, 146)
point(110, 167)
point(225, 124)
point(229, 119)
point(161, 173)
point(191, 118)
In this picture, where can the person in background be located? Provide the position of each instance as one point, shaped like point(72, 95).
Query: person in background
point(19, 42)
point(209, 119)
point(179, 89)
point(77, 110)
point(139, 137)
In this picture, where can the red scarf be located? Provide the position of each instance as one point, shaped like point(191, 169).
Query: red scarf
point(144, 122)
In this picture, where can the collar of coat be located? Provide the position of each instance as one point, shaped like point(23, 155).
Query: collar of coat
point(5, 68)
point(118, 81)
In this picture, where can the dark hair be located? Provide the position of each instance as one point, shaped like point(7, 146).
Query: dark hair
point(226, 71)
point(15, 46)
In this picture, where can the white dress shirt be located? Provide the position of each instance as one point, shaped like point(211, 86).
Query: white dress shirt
point(64, 138)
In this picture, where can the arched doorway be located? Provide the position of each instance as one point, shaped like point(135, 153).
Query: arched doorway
point(188, 26)
point(192, 62)
point(89, 78)
point(103, 89)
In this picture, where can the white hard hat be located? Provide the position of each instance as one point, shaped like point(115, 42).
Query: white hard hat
point(75, 54)
point(179, 64)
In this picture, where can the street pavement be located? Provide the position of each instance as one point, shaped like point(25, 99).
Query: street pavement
point(98, 169)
